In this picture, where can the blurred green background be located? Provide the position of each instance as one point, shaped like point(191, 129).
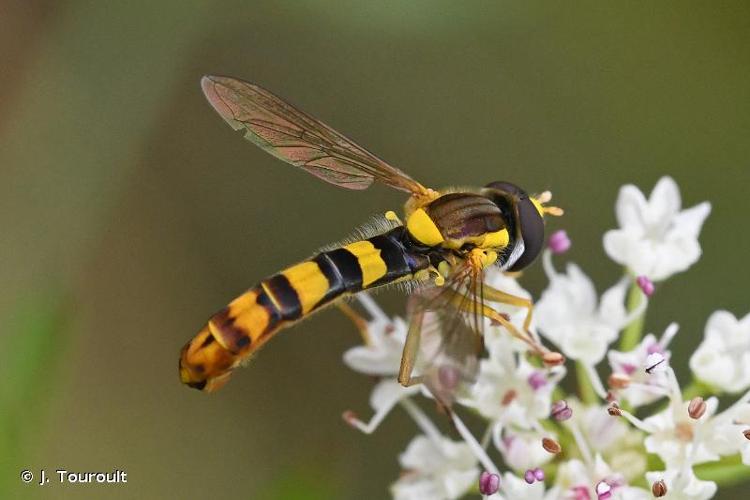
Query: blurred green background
point(129, 212)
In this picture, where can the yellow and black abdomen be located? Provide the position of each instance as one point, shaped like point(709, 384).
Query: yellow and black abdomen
point(240, 329)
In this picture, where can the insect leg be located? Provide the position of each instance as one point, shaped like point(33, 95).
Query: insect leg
point(495, 316)
point(411, 349)
point(359, 322)
point(495, 295)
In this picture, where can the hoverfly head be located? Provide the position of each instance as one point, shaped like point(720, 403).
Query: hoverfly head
point(525, 216)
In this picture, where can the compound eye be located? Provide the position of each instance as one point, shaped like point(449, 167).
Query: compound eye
point(532, 231)
point(506, 187)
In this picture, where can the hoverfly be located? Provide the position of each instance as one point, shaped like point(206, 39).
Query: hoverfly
point(446, 241)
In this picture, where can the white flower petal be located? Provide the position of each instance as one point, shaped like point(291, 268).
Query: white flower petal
point(516, 488)
point(723, 358)
point(440, 470)
point(629, 206)
point(746, 454)
point(567, 314)
point(690, 221)
point(664, 201)
point(588, 344)
point(683, 485)
point(521, 450)
point(612, 309)
point(382, 356)
point(628, 248)
point(368, 361)
point(504, 394)
point(671, 257)
point(387, 392)
point(457, 483)
point(633, 364)
point(655, 238)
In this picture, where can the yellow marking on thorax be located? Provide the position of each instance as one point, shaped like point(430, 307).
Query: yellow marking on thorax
point(309, 282)
point(391, 216)
point(372, 265)
point(497, 239)
point(423, 229)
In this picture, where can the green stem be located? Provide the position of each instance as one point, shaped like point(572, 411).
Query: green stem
point(726, 472)
point(585, 389)
point(696, 388)
point(631, 336)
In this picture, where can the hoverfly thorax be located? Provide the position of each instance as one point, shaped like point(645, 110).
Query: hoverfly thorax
point(459, 220)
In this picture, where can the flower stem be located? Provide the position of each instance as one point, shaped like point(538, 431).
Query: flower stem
point(631, 336)
point(728, 471)
point(585, 389)
point(695, 388)
point(422, 421)
point(476, 448)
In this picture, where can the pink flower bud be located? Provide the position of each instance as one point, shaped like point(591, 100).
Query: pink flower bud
point(489, 483)
point(529, 476)
point(537, 380)
point(561, 411)
point(538, 474)
point(646, 285)
point(559, 242)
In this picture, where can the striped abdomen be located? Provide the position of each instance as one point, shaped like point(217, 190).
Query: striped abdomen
point(237, 331)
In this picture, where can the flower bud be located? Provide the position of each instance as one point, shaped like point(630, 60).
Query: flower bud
point(488, 483)
point(646, 285)
point(533, 475)
point(538, 474)
point(559, 242)
point(529, 476)
point(561, 411)
point(537, 380)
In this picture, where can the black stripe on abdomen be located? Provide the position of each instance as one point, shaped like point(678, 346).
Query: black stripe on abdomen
point(394, 255)
point(348, 268)
point(283, 295)
point(336, 285)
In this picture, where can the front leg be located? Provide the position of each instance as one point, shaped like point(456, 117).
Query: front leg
point(495, 295)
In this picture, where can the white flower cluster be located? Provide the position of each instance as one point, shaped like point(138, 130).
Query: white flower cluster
point(593, 443)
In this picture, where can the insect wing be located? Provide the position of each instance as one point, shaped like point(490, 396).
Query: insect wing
point(451, 329)
point(299, 139)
